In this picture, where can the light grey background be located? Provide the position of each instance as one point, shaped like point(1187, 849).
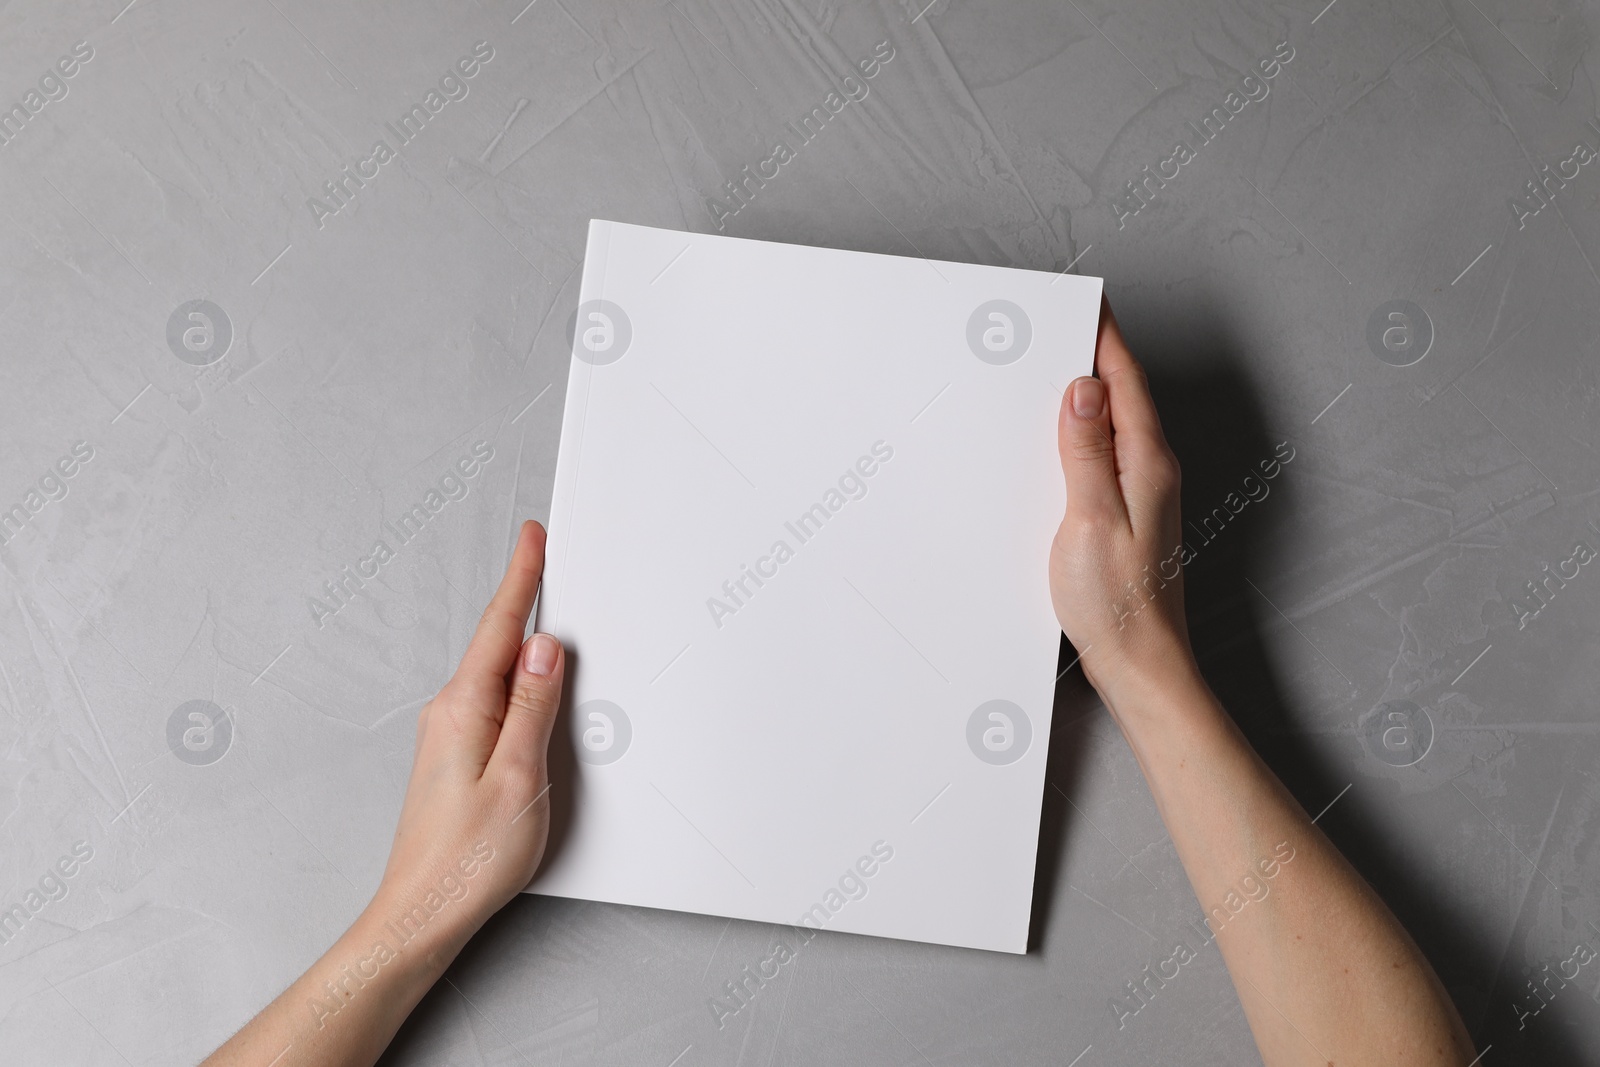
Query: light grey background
point(371, 351)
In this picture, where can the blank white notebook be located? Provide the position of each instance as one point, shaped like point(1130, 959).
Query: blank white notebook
point(798, 545)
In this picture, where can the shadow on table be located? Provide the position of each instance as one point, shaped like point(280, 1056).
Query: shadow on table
point(1215, 423)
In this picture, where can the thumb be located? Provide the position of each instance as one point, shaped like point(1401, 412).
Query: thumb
point(532, 698)
point(1088, 457)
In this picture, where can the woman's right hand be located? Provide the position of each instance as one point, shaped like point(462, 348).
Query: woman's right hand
point(1116, 574)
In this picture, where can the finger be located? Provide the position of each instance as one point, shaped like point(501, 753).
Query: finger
point(1133, 412)
point(532, 698)
point(1149, 469)
point(498, 639)
point(1088, 456)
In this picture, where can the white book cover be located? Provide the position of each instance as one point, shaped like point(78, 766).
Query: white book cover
point(798, 546)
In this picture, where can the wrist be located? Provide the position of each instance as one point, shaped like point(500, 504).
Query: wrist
point(371, 975)
point(1157, 686)
point(425, 929)
point(442, 897)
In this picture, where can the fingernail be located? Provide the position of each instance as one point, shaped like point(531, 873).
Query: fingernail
point(1088, 398)
point(540, 658)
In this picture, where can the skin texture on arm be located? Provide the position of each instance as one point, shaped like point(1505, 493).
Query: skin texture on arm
point(1325, 973)
point(472, 831)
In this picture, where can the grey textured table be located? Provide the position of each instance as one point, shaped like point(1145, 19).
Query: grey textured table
point(1380, 260)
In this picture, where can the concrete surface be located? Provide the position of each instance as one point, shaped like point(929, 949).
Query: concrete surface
point(1369, 620)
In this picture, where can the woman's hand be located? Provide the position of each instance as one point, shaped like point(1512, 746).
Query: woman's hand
point(1323, 970)
point(1116, 574)
point(472, 832)
point(477, 812)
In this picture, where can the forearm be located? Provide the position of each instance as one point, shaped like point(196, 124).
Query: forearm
point(1324, 971)
point(344, 1011)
